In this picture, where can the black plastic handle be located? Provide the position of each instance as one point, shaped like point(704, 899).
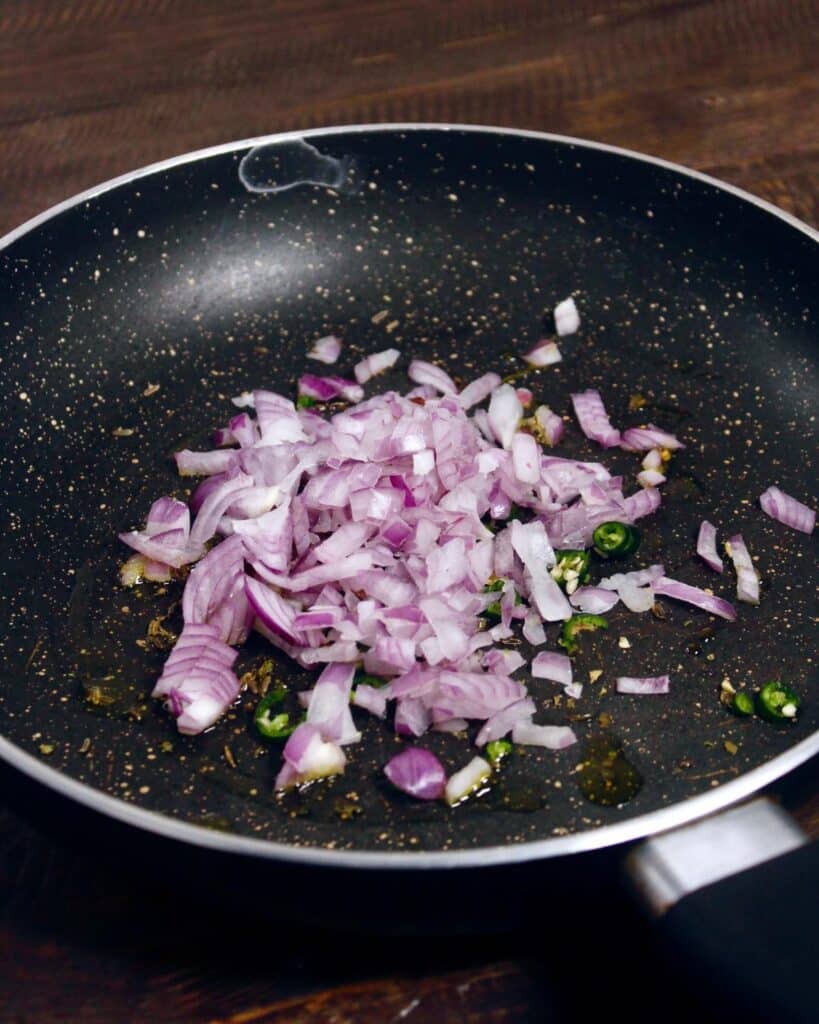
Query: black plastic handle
point(753, 938)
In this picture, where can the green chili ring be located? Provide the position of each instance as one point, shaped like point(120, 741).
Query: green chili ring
point(579, 624)
point(777, 702)
point(615, 540)
point(272, 724)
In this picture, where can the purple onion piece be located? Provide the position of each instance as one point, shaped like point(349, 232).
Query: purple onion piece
point(551, 425)
point(642, 439)
point(325, 389)
point(552, 666)
point(418, 773)
point(545, 353)
point(593, 419)
point(567, 318)
point(428, 373)
point(642, 684)
point(375, 363)
point(593, 600)
point(787, 510)
point(478, 390)
point(505, 412)
point(665, 587)
point(553, 737)
point(707, 546)
point(326, 350)
point(747, 576)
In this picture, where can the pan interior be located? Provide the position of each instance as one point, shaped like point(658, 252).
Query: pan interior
point(130, 319)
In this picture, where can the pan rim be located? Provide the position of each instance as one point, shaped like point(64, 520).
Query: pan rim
point(228, 147)
point(615, 834)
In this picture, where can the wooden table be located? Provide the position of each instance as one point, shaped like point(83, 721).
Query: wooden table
point(91, 89)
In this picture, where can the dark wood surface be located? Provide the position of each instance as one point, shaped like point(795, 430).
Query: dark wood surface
point(92, 89)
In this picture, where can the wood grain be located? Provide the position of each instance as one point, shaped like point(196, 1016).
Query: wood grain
point(728, 87)
point(92, 89)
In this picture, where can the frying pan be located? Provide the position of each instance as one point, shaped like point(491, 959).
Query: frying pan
point(132, 313)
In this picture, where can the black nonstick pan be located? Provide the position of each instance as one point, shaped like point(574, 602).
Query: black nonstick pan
point(131, 314)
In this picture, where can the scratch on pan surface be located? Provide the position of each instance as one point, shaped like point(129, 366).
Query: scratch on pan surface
point(280, 166)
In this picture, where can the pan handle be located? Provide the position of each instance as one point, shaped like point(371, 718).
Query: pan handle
point(736, 896)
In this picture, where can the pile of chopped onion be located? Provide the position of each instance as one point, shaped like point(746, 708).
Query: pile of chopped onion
point(367, 538)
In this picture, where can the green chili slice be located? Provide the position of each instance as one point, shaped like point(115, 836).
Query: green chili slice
point(493, 587)
point(497, 750)
point(364, 677)
point(571, 570)
point(272, 724)
point(743, 703)
point(615, 540)
point(579, 624)
point(777, 702)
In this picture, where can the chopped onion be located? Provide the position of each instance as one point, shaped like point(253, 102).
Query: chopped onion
point(650, 478)
point(593, 419)
point(164, 543)
point(545, 353)
point(190, 463)
point(653, 460)
point(747, 576)
point(375, 363)
point(505, 412)
point(215, 592)
point(274, 612)
point(307, 757)
point(551, 425)
point(198, 679)
point(463, 783)
point(526, 458)
point(707, 546)
point(553, 737)
point(478, 390)
point(412, 717)
point(329, 708)
point(503, 721)
point(418, 773)
point(326, 350)
point(664, 587)
point(594, 600)
point(552, 666)
point(641, 439)
point(787, 510)
point(503, 662)
point(433, 376)
point(451, 725)
point(635, 589)
point(361, 539)
point(642, 684)
point(531, 544)
point(533, 631)
point(371, 698)
point(325, 389)
point(640, 504)
point(170, 549)
point(567, 318)
point(212, 510)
